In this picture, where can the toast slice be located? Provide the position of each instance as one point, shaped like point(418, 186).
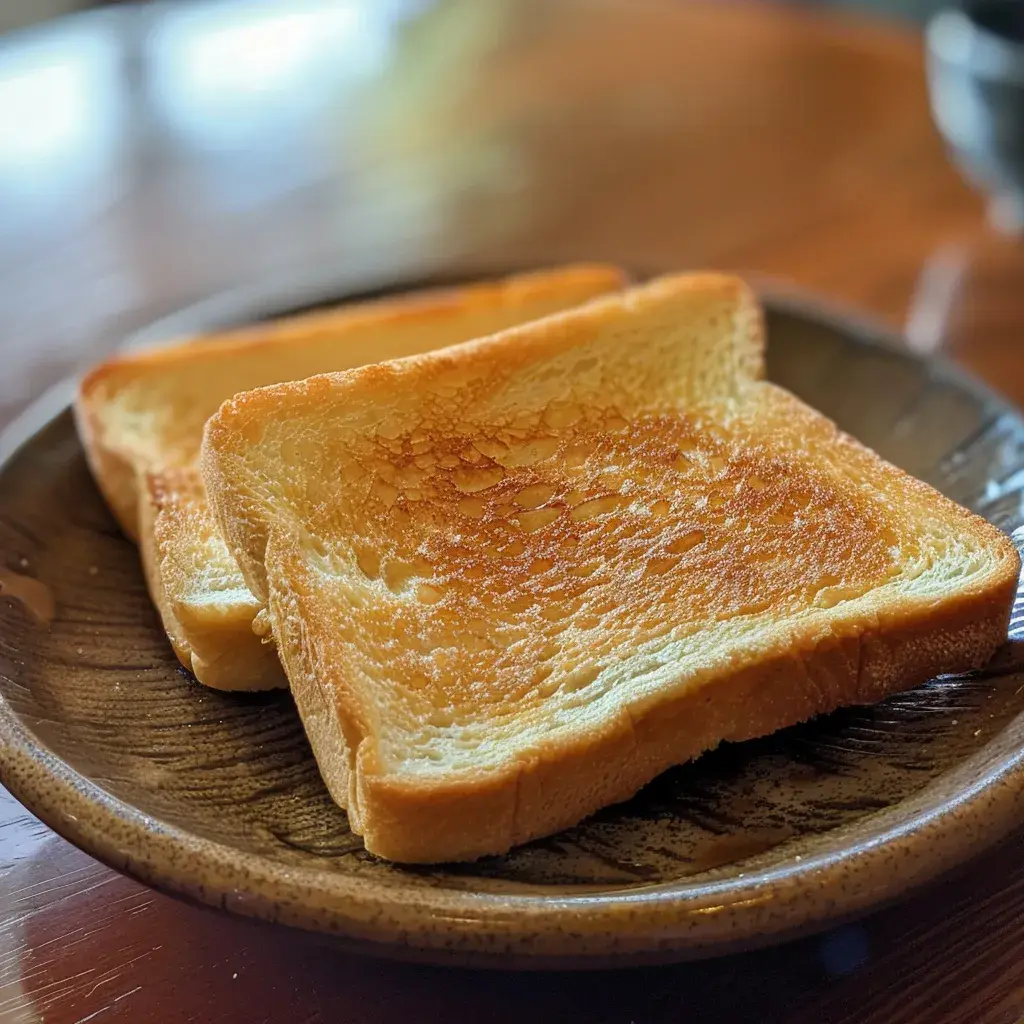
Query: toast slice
point(141, 418)
point(514, 581)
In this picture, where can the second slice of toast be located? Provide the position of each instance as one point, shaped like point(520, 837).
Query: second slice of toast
point(514, 581)
point(141, 418)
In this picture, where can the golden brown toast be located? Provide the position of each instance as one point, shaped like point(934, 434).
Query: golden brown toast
point(141, 419)
point(513, 581)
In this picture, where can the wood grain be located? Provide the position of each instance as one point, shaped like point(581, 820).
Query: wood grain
point(658, 133)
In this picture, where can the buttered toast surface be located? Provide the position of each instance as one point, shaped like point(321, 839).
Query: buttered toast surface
point(141, 418)
point(512, 582)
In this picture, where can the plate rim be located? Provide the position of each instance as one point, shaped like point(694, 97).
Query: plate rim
point(642, 924)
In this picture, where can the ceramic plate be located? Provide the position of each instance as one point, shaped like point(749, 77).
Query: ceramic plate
point(217, 798)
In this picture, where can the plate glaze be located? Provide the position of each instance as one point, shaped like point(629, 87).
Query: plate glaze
point(217, 798)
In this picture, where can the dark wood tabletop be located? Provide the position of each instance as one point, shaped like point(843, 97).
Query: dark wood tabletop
point(152, 156)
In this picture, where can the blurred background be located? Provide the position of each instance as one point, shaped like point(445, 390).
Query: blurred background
point(16, 13)
point(155, 154)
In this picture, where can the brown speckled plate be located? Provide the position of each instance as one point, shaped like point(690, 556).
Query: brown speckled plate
point(217, 797)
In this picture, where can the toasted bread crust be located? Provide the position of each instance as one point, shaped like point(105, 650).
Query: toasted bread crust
point(114, 472)
point(221, 650)
point(564, 783)
point(148, 479)
point(808, 673)
point(116, 462)
point(862, 640)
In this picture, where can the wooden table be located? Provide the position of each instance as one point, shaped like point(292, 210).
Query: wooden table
point(175, 152)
